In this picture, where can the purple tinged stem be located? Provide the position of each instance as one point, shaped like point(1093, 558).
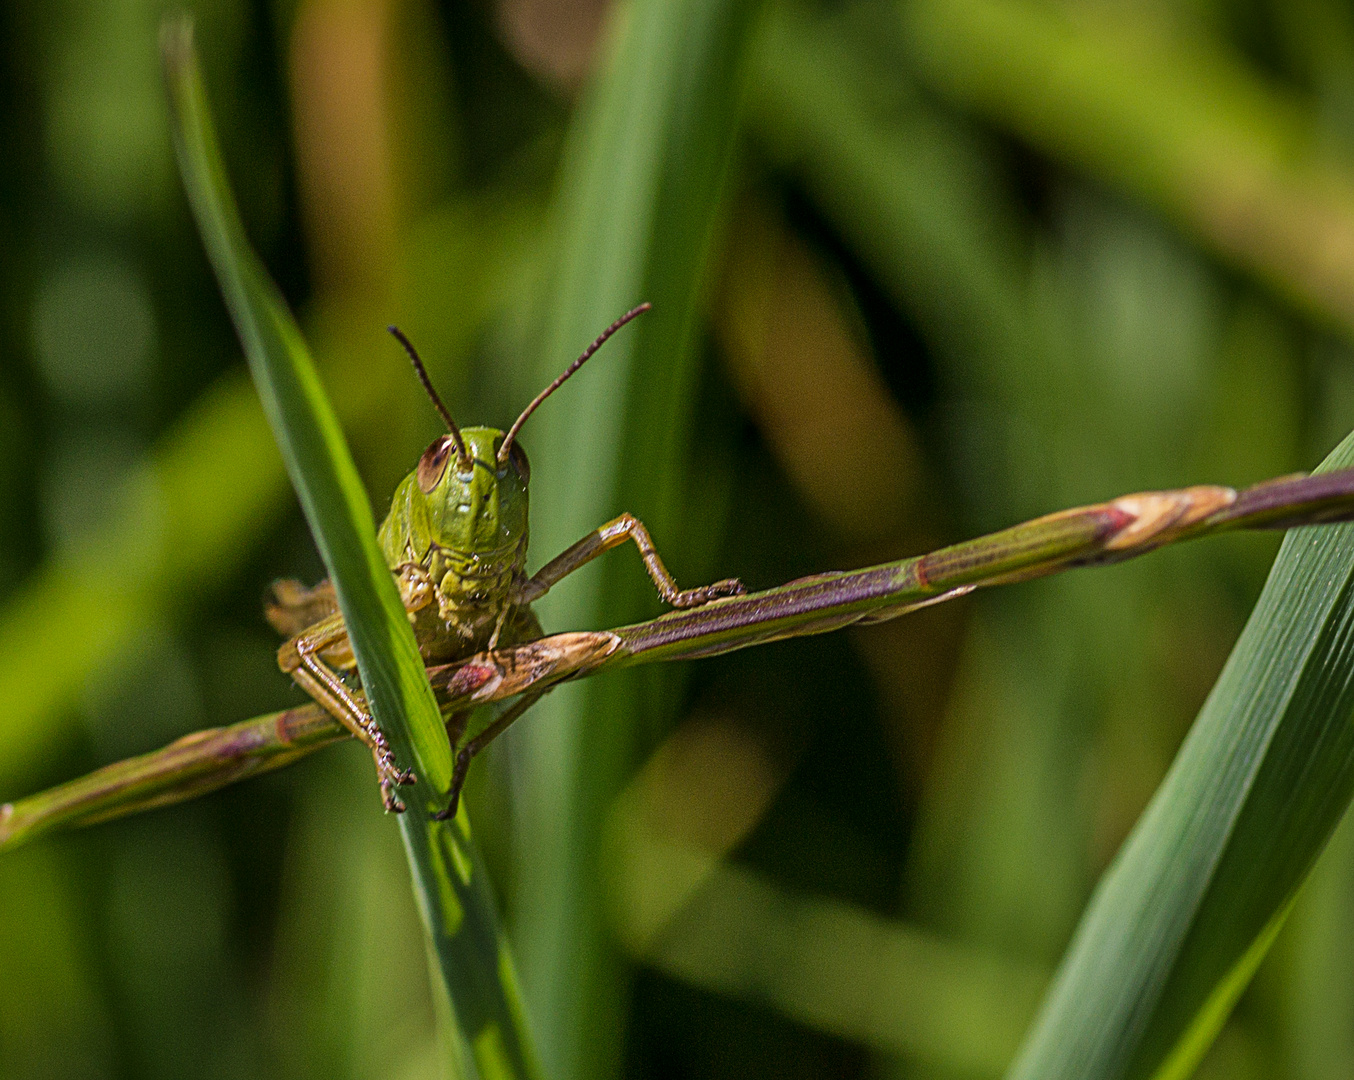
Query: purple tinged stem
point(1086, 536)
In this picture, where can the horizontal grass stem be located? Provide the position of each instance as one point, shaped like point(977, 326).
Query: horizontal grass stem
point(1086, 536)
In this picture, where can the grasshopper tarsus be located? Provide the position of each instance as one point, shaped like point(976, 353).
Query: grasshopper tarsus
point(450, 811)
point(391, 801)
point(392, 777)
point(689, 598)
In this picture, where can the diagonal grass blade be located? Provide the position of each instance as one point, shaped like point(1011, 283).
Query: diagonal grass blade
point(489, 1037)
point(1182, 918)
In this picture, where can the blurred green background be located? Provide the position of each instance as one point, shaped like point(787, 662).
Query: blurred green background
point(970, 262)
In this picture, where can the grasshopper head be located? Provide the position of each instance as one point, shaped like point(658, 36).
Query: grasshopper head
point(475, 504)
point(473, 481)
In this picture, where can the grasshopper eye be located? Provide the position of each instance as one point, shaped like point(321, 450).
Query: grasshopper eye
point(433, 464)
point(518, 457)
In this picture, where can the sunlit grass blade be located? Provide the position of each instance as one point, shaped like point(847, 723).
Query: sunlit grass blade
point(309, 435)
point(451, 885)
point(1194, 898)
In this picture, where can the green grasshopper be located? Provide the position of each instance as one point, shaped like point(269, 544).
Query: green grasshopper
point(456, 541)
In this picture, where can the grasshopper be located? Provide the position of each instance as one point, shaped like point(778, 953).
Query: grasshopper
point(456, 541)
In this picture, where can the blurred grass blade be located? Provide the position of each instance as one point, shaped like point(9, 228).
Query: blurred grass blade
point(840, 968)
point(677, 904)
point(642, 190)
point(202, 524)
point(450, 880)
point(911, 192)
point(1176, 122)
point(1179, 923)
point(918, 197)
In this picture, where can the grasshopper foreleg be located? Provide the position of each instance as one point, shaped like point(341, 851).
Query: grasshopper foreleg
point(301, 659)
point(613, 534)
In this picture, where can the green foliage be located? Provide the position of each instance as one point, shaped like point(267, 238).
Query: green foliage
point(308, 432)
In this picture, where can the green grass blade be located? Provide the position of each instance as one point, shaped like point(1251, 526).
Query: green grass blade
point(641, 193)
point(489, 1038)
point(310, 437)
point(1180, 921)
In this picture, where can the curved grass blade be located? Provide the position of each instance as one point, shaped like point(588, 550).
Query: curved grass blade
point(450, 881)
point(1087, 536)
point(1181, 920)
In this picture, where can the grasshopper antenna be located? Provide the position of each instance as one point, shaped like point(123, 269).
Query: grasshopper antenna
point(463, 459)
point(536, 401)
